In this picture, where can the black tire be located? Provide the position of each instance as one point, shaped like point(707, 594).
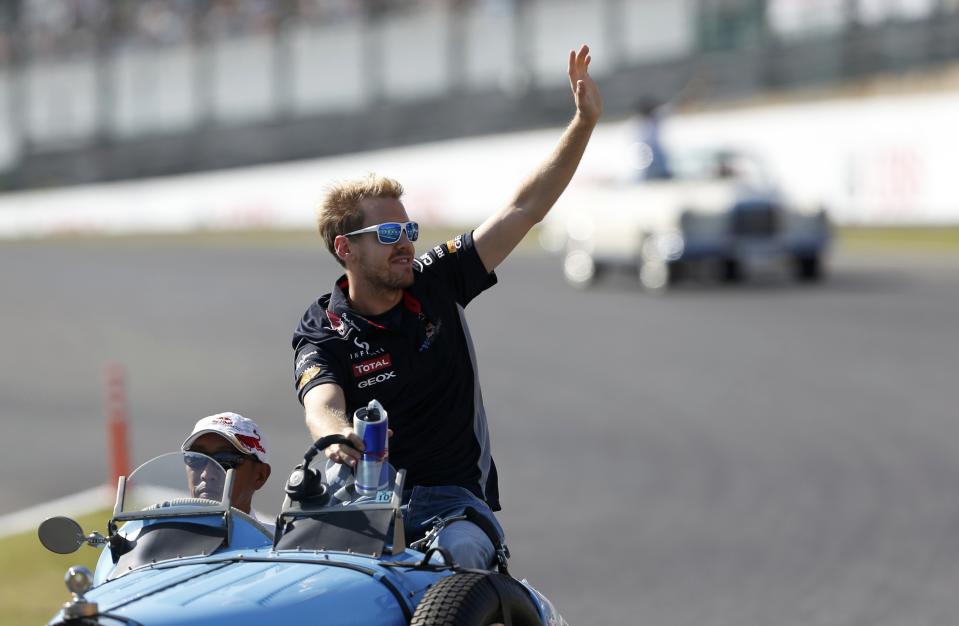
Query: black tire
point(808, 269)
point(677, 271)
point(730, 271)
point(469, 599)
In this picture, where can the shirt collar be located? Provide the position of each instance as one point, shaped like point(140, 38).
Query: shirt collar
point(342, 318)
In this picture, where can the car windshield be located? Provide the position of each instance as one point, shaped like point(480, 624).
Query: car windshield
point(174, 478)
point(718, 165)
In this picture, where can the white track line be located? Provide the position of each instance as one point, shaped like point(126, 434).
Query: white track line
point(83, 502)
point(80, 503)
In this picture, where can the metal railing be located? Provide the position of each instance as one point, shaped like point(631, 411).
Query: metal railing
point(95, 72)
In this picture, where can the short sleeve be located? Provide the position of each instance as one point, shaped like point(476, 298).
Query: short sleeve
point(457, 264)
point(314, 366)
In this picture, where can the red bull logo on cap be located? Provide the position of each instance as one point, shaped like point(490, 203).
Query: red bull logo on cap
point(251, 442)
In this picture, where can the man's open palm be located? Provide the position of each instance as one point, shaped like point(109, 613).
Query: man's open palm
point(589, 102)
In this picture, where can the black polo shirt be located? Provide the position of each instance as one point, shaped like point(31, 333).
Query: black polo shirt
point(418, 361)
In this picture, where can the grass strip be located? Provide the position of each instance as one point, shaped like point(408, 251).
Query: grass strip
point(31, 578)
point(914, 239)
point(918, 239)
point(253, 239)
point(220, 239)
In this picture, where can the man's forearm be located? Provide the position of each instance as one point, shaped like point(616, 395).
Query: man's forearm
point(498, 236)
point(325, 414)
point(325, 411)
point(323, 423)
point(543, 188)
point(501, 233)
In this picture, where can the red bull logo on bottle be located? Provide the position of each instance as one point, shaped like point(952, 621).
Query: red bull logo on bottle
point(370, 424)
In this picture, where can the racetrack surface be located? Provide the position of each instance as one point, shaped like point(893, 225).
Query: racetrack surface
point(763, 454)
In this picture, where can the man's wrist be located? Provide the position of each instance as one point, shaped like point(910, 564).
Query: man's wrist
point(324, 428)
point(582, 119)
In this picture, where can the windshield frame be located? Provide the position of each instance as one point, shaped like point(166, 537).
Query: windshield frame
point(222, 508)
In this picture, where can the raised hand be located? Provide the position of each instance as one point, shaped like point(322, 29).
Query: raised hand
point(589, 102)
point(501, 232)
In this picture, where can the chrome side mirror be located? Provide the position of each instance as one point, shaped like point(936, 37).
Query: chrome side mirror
point(61, 535)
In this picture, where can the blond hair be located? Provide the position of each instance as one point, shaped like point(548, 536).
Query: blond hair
point(340, 212)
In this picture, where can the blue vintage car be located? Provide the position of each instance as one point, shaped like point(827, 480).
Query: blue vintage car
point(334, 557)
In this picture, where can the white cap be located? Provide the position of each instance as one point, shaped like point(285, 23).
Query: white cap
point(240, 431)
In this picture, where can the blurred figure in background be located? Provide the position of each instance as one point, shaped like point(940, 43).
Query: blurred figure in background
point(394, 329)
point(646, 127)
point(651, 160)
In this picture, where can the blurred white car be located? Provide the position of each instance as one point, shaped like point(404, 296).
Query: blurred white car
point(718, 214)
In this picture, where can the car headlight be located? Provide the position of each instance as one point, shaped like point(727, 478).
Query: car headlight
point(667, 246)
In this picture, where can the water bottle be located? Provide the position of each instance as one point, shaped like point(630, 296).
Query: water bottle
point(370, 424)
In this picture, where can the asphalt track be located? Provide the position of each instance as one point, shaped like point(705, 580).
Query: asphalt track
point(766, 454)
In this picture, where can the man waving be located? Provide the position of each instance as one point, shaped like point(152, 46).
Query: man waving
point(393, 328)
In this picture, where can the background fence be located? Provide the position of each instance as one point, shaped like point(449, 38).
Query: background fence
point(100, 89)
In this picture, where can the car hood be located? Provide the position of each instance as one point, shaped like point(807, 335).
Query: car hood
point(254, 592)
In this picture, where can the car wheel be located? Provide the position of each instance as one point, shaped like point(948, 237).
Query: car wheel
point(580, 269)
point(677, 272)
point(473, 599)
point(730, 270)
point(655, 275)
point(808, 268)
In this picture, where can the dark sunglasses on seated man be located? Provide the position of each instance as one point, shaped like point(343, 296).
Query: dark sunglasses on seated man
point(226, 459)
point(390, 232)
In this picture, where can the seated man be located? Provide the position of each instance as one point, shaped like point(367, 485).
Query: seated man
point(234, 442)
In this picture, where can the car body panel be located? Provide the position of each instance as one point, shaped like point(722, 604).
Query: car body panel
point(241, 578)
point(274, 590)
point(246, 586)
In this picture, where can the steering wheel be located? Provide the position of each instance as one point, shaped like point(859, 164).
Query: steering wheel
point(204, 502)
